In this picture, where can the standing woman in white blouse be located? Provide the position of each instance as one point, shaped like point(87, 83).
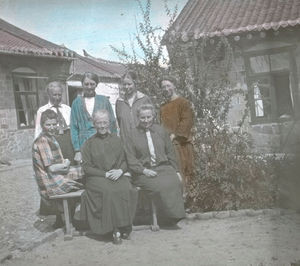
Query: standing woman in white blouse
point(82, 111)
point(55, 91)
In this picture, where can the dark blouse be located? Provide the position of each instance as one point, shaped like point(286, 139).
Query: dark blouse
point(138, 154)
point(100, 155)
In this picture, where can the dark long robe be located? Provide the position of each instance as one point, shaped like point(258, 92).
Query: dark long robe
point(106, 204)
point(165, 188)
point(177, 118)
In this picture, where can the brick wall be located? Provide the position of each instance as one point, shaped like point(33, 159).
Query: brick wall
point(16, 143)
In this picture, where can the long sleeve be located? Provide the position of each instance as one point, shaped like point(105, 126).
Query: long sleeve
point(185, 120)
point(170, 152)
point(38, 128)
point(121, 163)
point(118, 110)
point(88, 167)
point(74, 127)
point(133, 163)
point(177, 117)
point(113, 124)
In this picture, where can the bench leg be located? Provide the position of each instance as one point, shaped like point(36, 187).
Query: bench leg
point(154, 226)
point(68, 234)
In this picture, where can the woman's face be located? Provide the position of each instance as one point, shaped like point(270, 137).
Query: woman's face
point(146, 119)
point(50, 127)
point(101, 124)
point(168, 89)
point(89, 87)
point(55, 95)
point(128, 86)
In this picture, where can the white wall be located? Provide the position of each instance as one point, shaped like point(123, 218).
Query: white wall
point(110, 90)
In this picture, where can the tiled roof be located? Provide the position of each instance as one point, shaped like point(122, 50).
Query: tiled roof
point(85, 64)
point(114, 67)
point(110, 66)
point(14, 40)
point(201, 18)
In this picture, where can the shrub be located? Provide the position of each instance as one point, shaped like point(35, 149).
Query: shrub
point(227, 174)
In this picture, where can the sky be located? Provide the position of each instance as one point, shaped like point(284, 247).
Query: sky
point(92, 25)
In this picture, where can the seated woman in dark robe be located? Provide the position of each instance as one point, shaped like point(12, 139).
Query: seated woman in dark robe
point(109, 201)
point(151, 160)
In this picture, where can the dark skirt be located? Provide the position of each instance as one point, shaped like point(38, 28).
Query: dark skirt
point(50, 207)
point(65, 143)
point(106, 204)
point(166, 191)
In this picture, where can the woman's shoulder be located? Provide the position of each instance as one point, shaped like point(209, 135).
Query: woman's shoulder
point(142, 96)
point(77, 101)
point(88, 142)
point(40, 140)
point(160, 130)
point(183, 101)
point(115, 138)
point(157, 127)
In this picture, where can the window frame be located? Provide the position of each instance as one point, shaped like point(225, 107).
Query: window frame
point(252, 76)
point(17, 94)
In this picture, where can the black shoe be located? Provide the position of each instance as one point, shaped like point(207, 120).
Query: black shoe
point(117, 240)
point(170, 223)
point(125, 232)
point(125, 236)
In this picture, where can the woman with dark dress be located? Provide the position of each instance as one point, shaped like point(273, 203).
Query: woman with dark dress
point(109, 201)
point(152, 162)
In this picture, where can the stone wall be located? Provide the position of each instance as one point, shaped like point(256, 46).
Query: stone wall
point(283, 136)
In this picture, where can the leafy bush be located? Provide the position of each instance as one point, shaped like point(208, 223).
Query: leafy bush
point(227, 174)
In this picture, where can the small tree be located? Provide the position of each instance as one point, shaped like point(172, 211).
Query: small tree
point(149, 65)
point(226, 176)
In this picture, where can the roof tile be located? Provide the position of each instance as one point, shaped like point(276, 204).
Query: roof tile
point(14, 40)
point(211, 18)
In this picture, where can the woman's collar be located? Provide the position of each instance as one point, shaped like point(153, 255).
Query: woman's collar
point(141, 129)
point(139, 95)
point(103, 136)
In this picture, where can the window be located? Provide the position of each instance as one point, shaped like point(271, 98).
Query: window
point(26, 84)
point(270, 83)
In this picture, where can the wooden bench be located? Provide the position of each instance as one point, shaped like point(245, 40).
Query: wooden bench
point(154, 226)
point(69, 227)
point(64, 198)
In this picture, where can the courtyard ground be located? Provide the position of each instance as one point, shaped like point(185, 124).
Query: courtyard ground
point(263, 237)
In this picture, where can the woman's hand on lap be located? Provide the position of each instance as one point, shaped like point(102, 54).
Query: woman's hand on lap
point(78, 157)
point(114, 174)
point(149, 172)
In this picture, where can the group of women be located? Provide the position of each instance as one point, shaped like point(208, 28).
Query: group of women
point(113, 166)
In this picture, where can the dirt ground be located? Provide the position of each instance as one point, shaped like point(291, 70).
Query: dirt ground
point(264, 239)
point(19, 201)
point(260, 240)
